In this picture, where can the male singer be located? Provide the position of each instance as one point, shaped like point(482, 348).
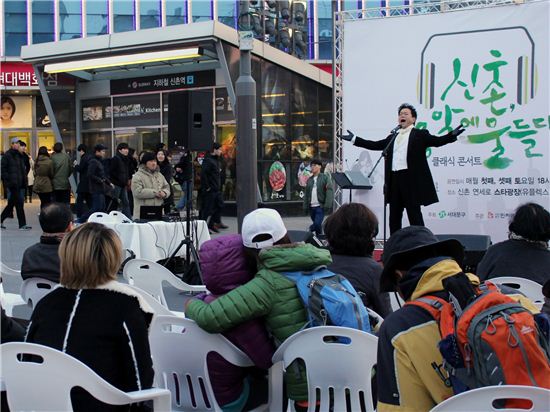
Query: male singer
point(408, 183)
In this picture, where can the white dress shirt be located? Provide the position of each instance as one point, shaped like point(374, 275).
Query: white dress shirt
point(400, 147)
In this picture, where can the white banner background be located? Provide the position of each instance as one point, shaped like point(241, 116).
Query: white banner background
point(480, 179)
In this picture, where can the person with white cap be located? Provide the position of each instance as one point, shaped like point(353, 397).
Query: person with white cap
point(14, 178)
point(269, 295)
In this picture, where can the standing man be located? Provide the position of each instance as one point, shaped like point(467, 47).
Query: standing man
point(408, 182)
point(212, 200)
point(119, 173)
point(83, 188)
point(318, 196)
point(28, 167)
point(98, 181)
point(184, 176)
point(62, 169)
point(14, 178)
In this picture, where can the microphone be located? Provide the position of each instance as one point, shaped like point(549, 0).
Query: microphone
point(395, 129)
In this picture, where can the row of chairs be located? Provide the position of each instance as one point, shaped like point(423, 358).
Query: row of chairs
point(337, 360)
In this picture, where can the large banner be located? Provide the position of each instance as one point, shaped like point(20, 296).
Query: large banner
point(485, 68)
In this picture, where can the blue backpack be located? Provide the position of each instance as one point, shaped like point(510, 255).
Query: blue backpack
point(330, 299)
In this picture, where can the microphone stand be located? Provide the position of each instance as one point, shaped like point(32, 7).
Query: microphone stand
point(394, 134)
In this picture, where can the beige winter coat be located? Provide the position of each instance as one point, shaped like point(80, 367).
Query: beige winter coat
point(145, 185)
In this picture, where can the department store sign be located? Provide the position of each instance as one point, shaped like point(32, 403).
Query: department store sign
point(15, 74)
point(166, 82)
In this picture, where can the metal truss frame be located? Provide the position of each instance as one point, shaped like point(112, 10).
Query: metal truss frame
point(341, 17)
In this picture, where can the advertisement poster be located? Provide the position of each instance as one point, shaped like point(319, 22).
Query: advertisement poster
point(228, 140)
point(484, 68)
point(16, 112)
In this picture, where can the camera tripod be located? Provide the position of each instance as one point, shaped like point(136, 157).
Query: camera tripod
point(187, 241)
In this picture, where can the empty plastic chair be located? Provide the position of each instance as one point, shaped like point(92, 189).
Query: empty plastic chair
point(338, 361)
point(157, 307)
point(531, 289)
point(100, 217)
point(183, 372)
point(119, 217)
point(46, 386)
point(34, 289)
point(150, 276)
point(482, 399)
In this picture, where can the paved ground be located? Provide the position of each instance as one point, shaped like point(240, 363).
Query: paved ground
point(13, 243)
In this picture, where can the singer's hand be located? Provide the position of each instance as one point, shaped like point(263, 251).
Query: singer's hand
point(348, 136)
point(459, 130)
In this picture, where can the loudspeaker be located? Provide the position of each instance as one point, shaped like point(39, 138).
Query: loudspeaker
point(475, 247)
point(190, 118)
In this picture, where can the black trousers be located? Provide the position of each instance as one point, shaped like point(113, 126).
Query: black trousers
point(401, 197)
point(15, 199)
point(211, 206)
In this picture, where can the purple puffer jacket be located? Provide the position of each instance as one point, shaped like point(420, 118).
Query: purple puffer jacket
point(224, 267)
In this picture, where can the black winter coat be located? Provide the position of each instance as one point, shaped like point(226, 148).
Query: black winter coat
point(82, 169)
point(106, 328)
point(419, 171)
point(186, 166)
point(14, 174)
point(97, 178)
point(42, 260)
point(210, 174)
point(119, 170)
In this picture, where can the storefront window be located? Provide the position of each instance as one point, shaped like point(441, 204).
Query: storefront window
point(94, 114)
point(202, 10)
point(15, 20)
point(325, 149)
point(228, 12)
point(70, 25)
point(324, 11)
point(123, 15)
point(42, 21)
point(149, 13)
point(97, 17)
point(227, 138)
point(90, 139)
point(175, 12)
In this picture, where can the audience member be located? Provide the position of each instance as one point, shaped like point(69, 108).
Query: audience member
point(94, 318)
point(415, 264)
point(525, 254)
point(184, 176)
point(14, 179)
point(98, 182)
point(149, 186)
point(62, 169)
point(269, 295)
point(43, 171)
point(83, 187)
point(224, 267)
point(12, 330)
point(166, 170)
point(42, 259)
point(318, 196)
point(350, 232)
point(119, 175)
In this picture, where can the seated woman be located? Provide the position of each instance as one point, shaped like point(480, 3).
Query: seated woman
point(94, 318)
point(350, 232)
point(525, 254)
point(224, 267)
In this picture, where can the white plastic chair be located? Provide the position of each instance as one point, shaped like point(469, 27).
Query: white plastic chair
point(150, 276)
point(118, 217)
point(52, 380)
point(157, 307)
point(379, 318)
point(395, 301)
point(332, 365)
point(182, 372)
point(100, 217)
point(482, 399)
point(34, 289)
point(9, 300)
point(531, 289)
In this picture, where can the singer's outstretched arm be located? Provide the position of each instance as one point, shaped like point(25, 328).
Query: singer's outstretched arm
point(372, 144)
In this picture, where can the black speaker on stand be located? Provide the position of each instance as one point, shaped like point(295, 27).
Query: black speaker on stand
point(190, 117)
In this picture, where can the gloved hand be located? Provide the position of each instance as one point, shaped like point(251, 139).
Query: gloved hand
point(347, 137)
point(459, 130)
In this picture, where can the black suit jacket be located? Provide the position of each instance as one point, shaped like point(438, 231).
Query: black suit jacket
point(419, 170)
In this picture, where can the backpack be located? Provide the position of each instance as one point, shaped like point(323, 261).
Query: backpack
point(490, 340)
point(330, 299)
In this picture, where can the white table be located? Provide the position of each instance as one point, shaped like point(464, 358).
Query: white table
point(158, 240)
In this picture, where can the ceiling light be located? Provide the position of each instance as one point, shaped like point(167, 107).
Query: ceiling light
point(122, 60)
